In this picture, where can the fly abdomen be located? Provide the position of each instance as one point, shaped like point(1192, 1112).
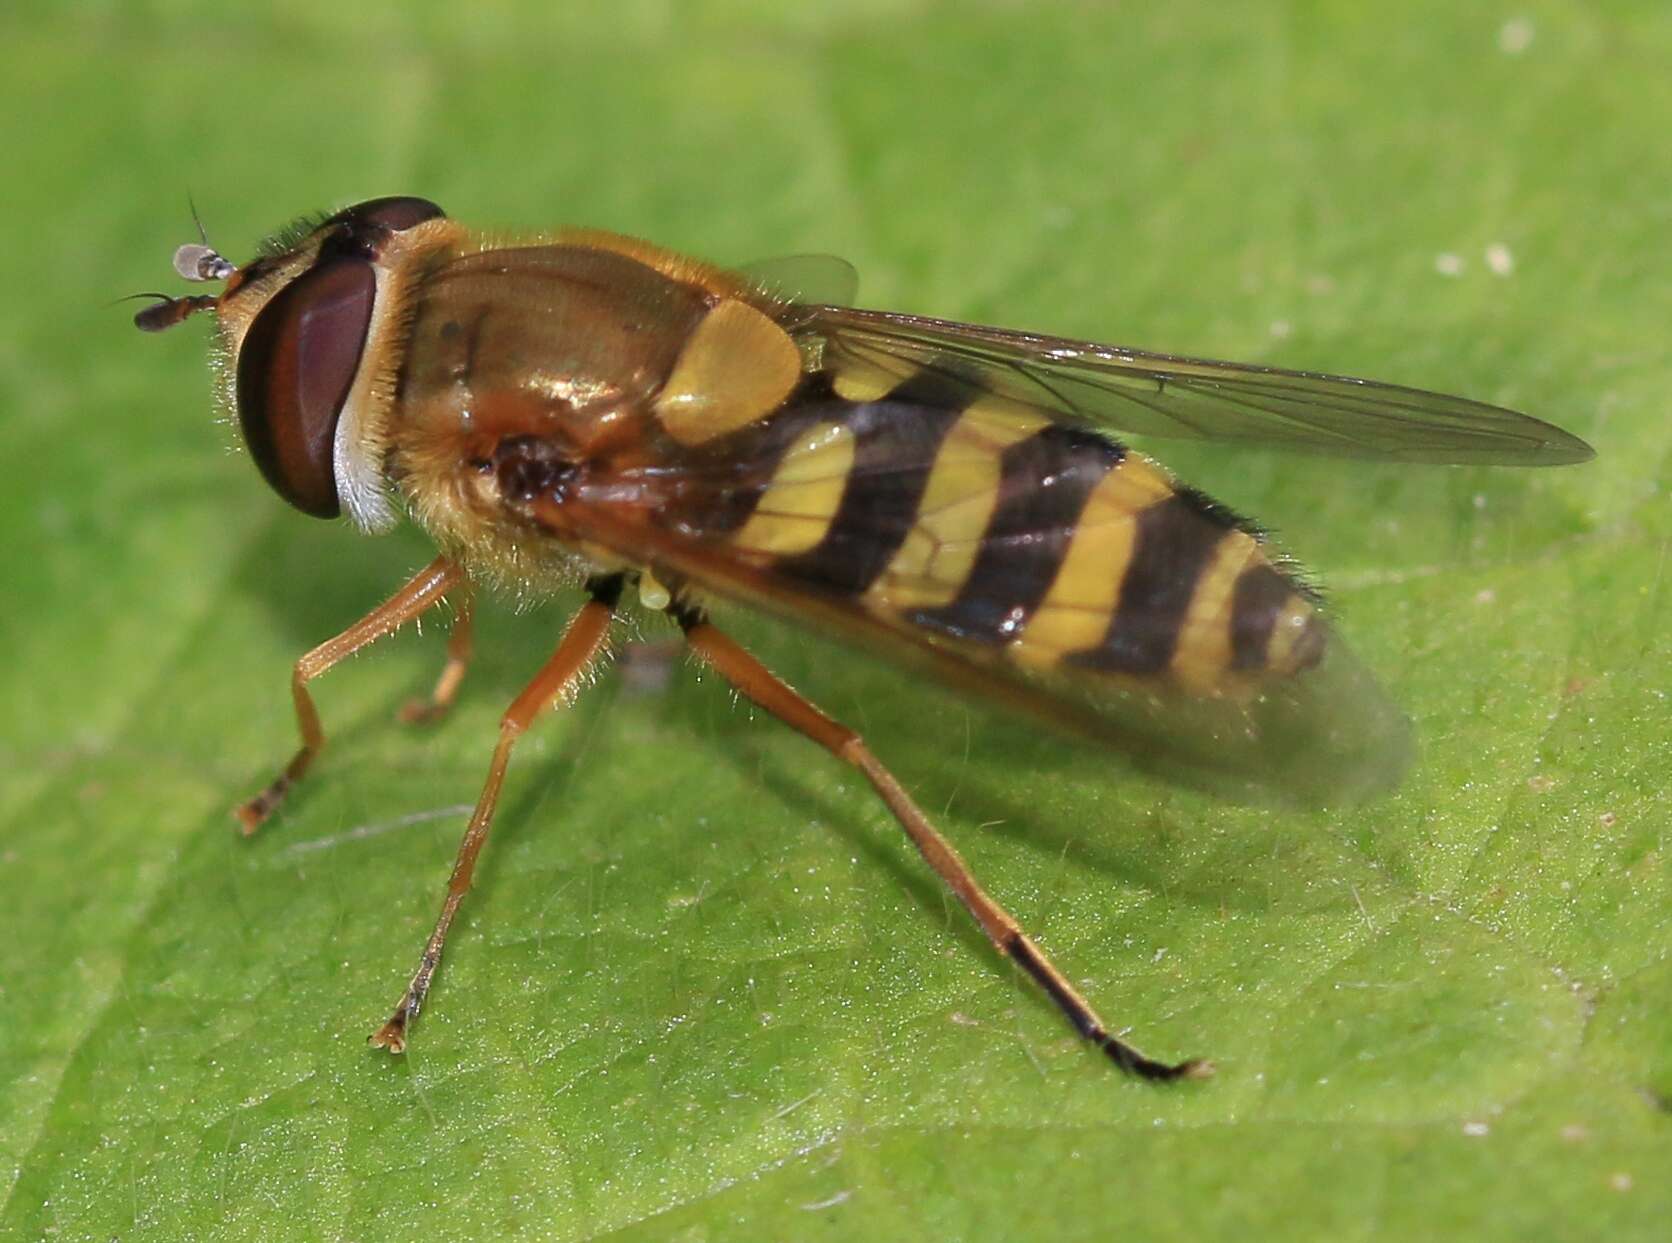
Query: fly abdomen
point(959, 517)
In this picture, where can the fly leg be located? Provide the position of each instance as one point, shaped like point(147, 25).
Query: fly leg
point(424, 590)
point(459, 650)
point(581, 644)
point(757, 683)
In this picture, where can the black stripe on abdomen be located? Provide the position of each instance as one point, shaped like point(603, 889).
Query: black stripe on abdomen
point(737, 469)
point(1043, 485)
point(896, 440)
point(1176, 540)
point(1259, 595)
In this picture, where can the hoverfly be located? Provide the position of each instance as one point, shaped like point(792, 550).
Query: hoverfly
point(588, 407)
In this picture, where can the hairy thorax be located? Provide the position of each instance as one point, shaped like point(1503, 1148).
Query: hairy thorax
point(564, 345)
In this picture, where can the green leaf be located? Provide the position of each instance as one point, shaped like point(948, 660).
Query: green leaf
point(703, 988)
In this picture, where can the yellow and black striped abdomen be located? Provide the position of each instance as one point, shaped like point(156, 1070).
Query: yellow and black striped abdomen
point(965, 521)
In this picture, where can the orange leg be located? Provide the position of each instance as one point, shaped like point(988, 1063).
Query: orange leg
point(757, 683)
point(459, 650)
point(580, 646)
point(423, 591)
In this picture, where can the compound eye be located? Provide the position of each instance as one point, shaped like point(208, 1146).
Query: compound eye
point(295, 367)
point(387, 215)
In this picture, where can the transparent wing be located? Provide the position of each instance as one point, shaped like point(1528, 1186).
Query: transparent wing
point(1163, 395)
point(1326, 736)
point(811, 280)
point(767, 519)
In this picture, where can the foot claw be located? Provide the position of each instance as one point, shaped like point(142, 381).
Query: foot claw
point(1135, 1063)
point(420, 712)
point(392, 1035)
point(250, 816)
point(253, 813)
